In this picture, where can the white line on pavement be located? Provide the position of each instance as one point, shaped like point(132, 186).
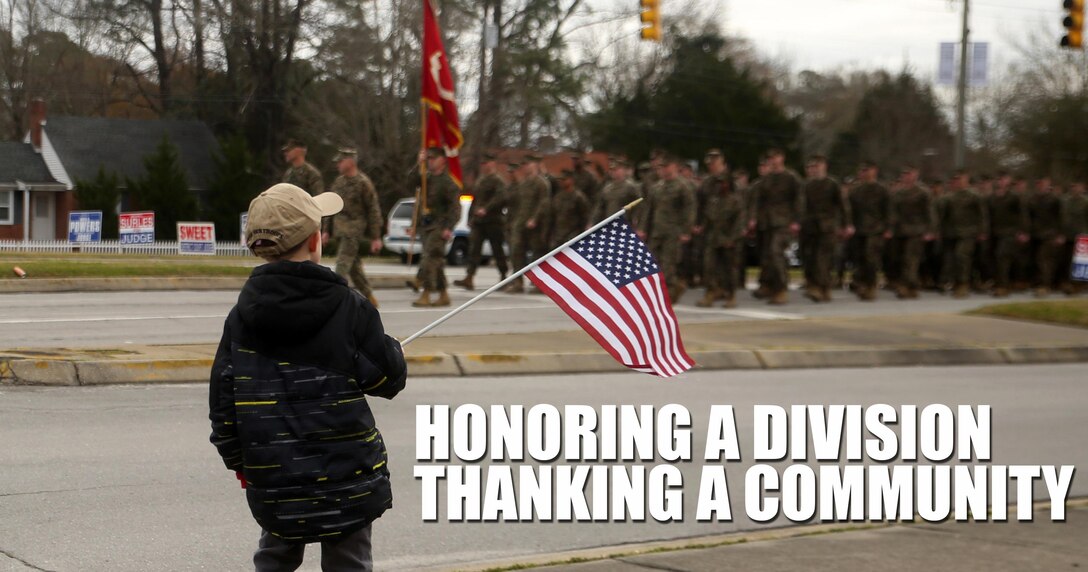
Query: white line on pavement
point(224, 315)
point(750, 314)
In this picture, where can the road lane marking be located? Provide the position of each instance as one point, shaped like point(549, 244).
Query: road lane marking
point(23, 321)
point(750, 314)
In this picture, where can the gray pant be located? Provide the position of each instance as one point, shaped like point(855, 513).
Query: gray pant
point(348, 554)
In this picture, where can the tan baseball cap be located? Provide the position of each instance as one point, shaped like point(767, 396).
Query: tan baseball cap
point(284, 216)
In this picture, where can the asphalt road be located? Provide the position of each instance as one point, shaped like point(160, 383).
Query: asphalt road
point(115, 319)
point(123, 478)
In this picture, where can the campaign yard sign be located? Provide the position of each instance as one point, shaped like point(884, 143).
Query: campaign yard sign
point(1080, 259)
point(196, 238)
point(85, 227)
point(137, 228)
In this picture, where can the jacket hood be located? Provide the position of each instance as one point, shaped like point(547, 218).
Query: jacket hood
point(290, 301)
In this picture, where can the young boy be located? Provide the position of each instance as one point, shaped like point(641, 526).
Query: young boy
point(299, 351)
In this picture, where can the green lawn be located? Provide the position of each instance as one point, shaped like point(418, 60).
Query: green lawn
point(1065, 312)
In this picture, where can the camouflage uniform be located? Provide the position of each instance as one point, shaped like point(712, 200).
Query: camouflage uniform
point(587, 183)
point(570, 210)
point(355, 227)
point(528, 202)
point(826, 212)
point(911, 220)
point(305, 177)
point(1008, 218)
point(670, 213)
point(776, 205)
point(614, 196)
point(1046, 226)
point(442, 213)
point(962, 217)
point(490, 195)
point(871, 208)
point(724, 220)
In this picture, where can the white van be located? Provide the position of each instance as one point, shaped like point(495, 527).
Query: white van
point(398, 241)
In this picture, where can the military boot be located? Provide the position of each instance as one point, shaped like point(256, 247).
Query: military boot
point(813, 293)
point(424, 300)
point(443, 299)
point(902, 292)
point(762, 293)
point(730, 299)
point(515, 287)
point(1000, 292)
point(414, 284)
point(866, 293)
point(465, 283)
point(825, 294)
point(677, 292)
point(961, 291)
point(712, 295)
point(1042, 292)
point(780, 298)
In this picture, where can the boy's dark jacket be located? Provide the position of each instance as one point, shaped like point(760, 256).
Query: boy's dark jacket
point(299, 351)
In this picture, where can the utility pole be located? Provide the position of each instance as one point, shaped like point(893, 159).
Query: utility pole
point(961, 104)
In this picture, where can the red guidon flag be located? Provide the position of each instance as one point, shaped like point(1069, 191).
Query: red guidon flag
point(611, 285)
point(442, 125)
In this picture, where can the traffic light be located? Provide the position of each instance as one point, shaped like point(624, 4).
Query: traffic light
point(1074, 24)
point(650, 13)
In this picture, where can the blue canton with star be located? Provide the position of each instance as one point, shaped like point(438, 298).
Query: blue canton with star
point(617, 252)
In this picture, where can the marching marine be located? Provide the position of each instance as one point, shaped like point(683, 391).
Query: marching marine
point(359, 223)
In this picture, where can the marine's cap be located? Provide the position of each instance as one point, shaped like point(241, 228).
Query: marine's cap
point(433, 152)
point(293, 143)
point(645, 166)
point(513, 165)
point(534, 157)
point(488, 156)
point(345, 153)
point(713, 153)
point(282, 217)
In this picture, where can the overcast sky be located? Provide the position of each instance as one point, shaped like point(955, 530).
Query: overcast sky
point(827, 34)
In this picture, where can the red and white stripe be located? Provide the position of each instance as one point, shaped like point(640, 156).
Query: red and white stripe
point(635, 324)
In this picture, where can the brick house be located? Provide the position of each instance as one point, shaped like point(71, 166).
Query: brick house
point(38, 175)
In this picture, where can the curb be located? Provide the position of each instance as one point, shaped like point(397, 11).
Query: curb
point(157, 284)
point(75, 372)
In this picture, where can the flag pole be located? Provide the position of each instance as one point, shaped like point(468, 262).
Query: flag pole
point(421, 190)
point(520, 273)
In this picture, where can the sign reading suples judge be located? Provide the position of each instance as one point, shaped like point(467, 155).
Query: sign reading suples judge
point(618, 463)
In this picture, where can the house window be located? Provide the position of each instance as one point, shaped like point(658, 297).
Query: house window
point(7, 207)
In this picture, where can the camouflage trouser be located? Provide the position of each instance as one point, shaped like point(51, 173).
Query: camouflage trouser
point(522, 240)
point(817, 252)
point(959, 256)
point(1046, 262)
point(720, 268)
point(666, 249)
point(492, 233)
point(870, 252)
point(349, 263)
point(909, 251)
point(772, 256)
point(692, 258)
point(1006, 251)
point(432, 267)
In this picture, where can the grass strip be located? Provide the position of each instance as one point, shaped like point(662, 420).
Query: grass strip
point(1063, 312)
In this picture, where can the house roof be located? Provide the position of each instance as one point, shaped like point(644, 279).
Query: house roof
point(19, 162)
point(86, 143)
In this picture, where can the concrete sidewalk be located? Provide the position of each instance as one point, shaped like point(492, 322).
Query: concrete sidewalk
point(992, 547)
point(900, 340)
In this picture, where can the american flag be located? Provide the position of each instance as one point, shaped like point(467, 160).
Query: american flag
point(611, 285)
